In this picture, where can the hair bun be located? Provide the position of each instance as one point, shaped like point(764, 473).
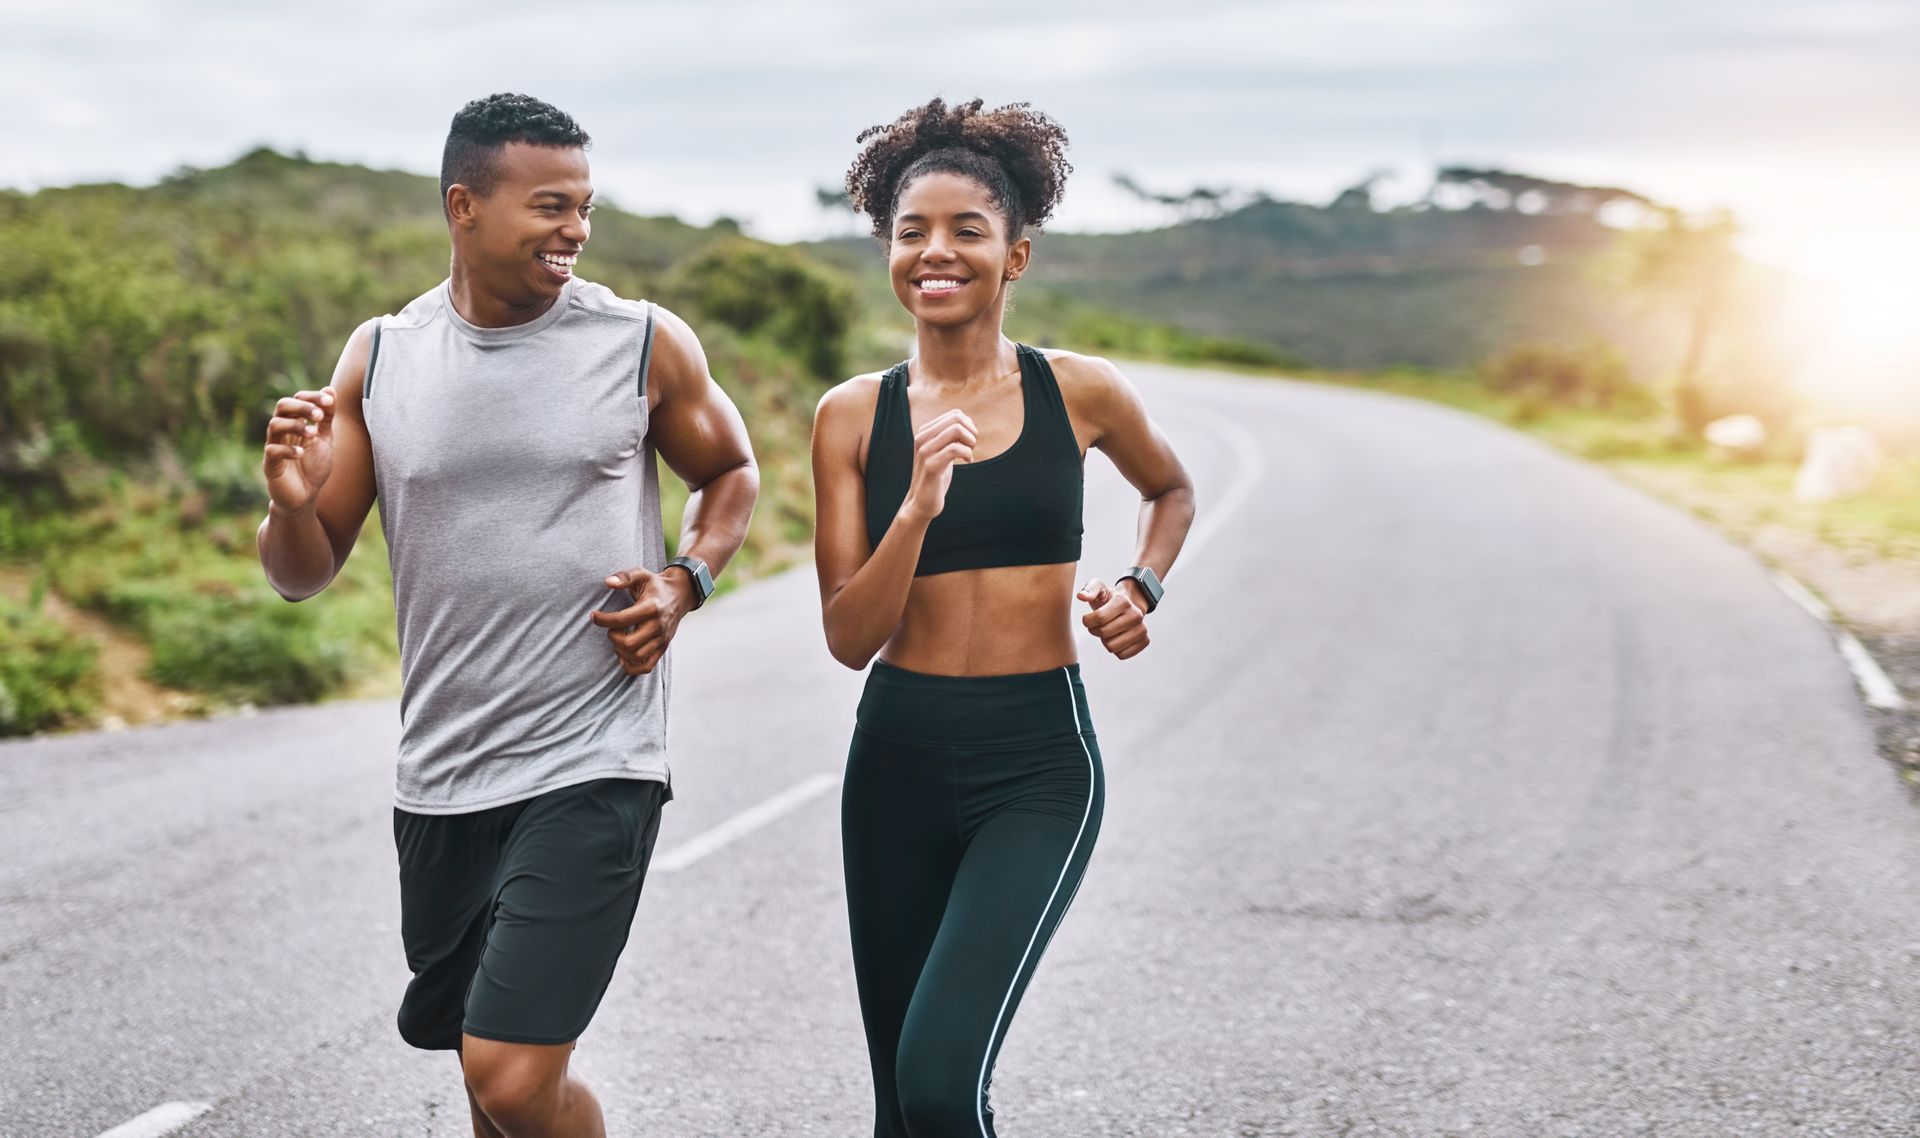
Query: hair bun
point(1027, 147)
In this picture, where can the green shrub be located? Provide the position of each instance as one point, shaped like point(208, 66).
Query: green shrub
point(774, 292)
point(47, 677)
point(247, 648)
point(1594, 376)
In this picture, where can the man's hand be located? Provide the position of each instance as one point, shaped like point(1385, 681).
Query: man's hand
point(298, 456)
point(1115, 618)
point(642, 631)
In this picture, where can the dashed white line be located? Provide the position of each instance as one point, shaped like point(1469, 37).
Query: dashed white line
point(163, 1119)
point(1875, 686)
point(744, 823)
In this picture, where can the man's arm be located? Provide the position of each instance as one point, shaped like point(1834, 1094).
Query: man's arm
point(700, 434)
point(318, 463)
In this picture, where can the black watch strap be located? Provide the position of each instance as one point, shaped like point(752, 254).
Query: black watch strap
point(1149, 584)
point(702, 580)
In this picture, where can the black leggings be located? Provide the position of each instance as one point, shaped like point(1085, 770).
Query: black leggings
point(970, 807)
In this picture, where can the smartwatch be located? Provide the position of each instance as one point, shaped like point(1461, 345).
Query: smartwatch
point(1149, 584)
point(696, 569)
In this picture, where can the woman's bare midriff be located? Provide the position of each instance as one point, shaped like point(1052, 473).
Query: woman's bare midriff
point(987, 622)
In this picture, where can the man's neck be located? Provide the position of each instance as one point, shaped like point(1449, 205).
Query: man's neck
point(484, 309)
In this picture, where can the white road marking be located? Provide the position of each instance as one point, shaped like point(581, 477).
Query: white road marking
point(744, 823)
point(1803, 597)
point(1875, 685)
point(1251, 466)
point(164, 1119)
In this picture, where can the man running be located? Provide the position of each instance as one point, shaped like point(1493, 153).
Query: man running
point(508, 422)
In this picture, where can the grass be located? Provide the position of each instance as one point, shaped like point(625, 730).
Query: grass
point(47, 679)
point(156, 561)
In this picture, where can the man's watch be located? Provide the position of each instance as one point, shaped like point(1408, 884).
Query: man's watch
point(1149, 584)
point(696, 569)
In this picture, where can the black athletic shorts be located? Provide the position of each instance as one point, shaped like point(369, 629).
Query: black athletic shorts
point(513, 917)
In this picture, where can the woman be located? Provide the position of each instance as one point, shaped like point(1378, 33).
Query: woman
point(948, 503)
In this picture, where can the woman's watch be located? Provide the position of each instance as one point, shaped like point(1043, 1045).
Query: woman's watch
point(1149, 584)
point(696, 569)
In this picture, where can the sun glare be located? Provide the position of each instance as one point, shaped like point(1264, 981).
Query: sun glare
point(1860, 322)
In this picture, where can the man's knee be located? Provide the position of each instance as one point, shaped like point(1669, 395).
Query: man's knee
point(516, 1085)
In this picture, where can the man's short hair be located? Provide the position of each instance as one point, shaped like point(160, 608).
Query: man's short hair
point(483, 128)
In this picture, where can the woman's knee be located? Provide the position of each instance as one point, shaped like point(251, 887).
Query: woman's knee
point(940, 1101)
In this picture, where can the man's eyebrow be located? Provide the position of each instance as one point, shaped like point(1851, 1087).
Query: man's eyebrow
point(561, 194)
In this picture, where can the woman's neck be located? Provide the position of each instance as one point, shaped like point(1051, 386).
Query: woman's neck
point(957, 356)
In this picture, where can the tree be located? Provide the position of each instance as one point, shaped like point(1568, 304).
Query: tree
point(1359, 196)
point(1690, 265)
point(1199, 202)
point(1505, 189)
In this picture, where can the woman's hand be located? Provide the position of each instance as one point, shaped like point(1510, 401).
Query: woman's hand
point(945, 439)
point(1115, 619)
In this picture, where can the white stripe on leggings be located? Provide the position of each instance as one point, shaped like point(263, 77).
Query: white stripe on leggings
point(980, 1087)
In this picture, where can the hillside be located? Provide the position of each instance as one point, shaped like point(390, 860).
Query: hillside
point(1350, 286)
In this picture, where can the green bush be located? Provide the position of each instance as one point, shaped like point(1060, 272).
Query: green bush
point(1539, 375)
point(191, 587)
point(774, 292)
point(251, 648)
point(47, 677)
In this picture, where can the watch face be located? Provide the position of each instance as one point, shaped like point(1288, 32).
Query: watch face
point(1149, 583)
point(702, 579)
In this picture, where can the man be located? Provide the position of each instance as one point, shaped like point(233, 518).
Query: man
point(508, 421)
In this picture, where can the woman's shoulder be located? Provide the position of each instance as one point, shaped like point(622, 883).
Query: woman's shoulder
point(845, 412)
point(1083, 378)
point(1080, 368)
point(849, 396)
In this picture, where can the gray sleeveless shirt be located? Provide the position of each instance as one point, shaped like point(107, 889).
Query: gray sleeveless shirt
point(514, 476)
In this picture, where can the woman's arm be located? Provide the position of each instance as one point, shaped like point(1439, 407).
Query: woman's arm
point(1115, 421)
point(863, 590)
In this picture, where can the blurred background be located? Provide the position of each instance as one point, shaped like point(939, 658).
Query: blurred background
point(1679, 240)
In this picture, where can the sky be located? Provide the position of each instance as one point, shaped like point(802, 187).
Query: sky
point(1802, 117)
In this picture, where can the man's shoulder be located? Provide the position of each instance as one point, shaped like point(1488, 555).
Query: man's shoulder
point(419, 312)
point(599, 300)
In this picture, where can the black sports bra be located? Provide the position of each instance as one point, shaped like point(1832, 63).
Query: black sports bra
point(1020, 507)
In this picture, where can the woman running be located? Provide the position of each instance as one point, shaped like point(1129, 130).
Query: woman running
point(948, 501)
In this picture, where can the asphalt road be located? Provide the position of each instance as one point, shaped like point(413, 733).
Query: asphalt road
point(1462, 792)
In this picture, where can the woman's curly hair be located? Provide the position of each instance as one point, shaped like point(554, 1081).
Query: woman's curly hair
point(1016, 153)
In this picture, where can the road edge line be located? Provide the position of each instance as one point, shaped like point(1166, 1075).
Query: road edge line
point(1876, 687)
point(1250, 465)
